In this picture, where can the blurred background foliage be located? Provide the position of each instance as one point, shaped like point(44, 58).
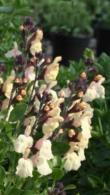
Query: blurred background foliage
point(93, 178)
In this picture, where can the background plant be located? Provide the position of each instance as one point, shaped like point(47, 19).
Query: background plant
point(64, 17)
point(100, 12)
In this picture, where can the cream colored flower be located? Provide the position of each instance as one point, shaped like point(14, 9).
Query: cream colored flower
point(42, 88)
point(30, 121)
point(86, 127)
point(43, 166)
point(82, 118)
point(76, 117)
point(81, 154)
point(28, 130)
point(83, 141)
point(36, 47)
point(94, 91)
point(22, 143)
point(36, 104)
point(1, 80)
point(88, 111)
point(49, 126)
point(72, 161)
point(24, 168)
point(65, 92)
point(53, 94)
point(74, 146)
point(7, 88)
point(30, 73)
point(54, 112)
point(45, 150)
point(8, 85)
point(39, 34)
point(52, 70)
point(14, 52)
point(79, 147)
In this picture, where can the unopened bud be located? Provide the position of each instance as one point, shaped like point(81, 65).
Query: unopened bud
point(71, 133)
point(80, 94)
point(21, 28)
point(28, 130)
point(17, 80)
point(19, 98)
point(82, 105)
point(62, 93)
point(23, 92)
point(25, 80)
point(46, 108)
point(1, 81)
point(98, 77)
point(48, 60)
point(61, 131)
point(83, 75)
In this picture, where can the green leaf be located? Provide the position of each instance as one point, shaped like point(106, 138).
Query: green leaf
point(88, 53)
point(57, 174)
point(5, 9)
point(18, 112)
point(16, 191)
point(59, 148)
point(2, 175)
point(95, 181)
point(70, 187)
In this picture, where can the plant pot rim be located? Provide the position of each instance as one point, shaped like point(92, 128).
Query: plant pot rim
point(102, 26)
point(70, 36)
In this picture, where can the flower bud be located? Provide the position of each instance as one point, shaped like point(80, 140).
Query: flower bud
point(25, 80)
point(46, 108)
point(1, 80)
point(19, 98)
point(62, 93)
point(82, 105)
point(21, 28)
point(80, 94)
point(48, 60)
point(61, 131)
point(23, 92)
point(98, 77)
point(39, 34)
point(18, 81)
point(83, 75)
point(71, 133)
point(28, 130)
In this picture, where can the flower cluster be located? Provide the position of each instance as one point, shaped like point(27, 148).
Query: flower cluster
point(51, 113)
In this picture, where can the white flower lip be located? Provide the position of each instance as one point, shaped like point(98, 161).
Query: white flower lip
point(24, 168)
point(22, 143)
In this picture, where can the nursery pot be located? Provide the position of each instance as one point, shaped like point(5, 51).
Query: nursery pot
point(70, 48)
point(103, 40)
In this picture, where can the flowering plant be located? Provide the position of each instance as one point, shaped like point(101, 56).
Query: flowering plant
point(44, 129)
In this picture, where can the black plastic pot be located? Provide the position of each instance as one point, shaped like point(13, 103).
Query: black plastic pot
point(70, 48)
point(103, 40)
